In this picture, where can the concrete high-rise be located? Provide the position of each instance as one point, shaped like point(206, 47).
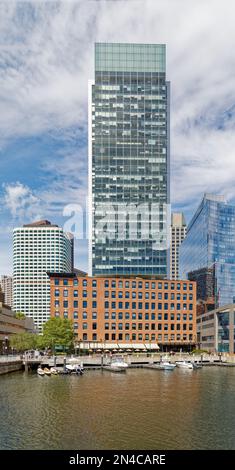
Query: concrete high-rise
point(129, 160)
point(38, 248)
point(6, 285)
point(178, 233)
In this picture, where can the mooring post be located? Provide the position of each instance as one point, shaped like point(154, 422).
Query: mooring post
point(65, 364)
point(54, 361)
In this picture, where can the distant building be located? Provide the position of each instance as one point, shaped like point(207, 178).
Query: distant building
point(6, 285)
point(1, 296)
point(178, 233)
point(204, 306)
point(207, 254)
point(37, 248)
point(216, 330)
point(129, 161)
point(79, 273)
point(126, 312)
point(205, 279)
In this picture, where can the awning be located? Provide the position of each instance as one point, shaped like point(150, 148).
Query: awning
point(93, 345)
point(152, 346)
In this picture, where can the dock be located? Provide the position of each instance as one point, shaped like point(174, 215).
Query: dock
point(102, 361)
point(116, 370)
point(153, 366)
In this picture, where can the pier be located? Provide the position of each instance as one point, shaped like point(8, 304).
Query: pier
point(102, 361)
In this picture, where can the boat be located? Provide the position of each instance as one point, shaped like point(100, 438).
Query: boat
point(46, 371)
point(197, 365)
point(165, 365)
point(118, 363)
point(69, 367)
point(184, 364)
point(54, 371)
point(75, 369)
point(40, 372)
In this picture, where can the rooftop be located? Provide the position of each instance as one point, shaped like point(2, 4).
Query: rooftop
point(40, 223)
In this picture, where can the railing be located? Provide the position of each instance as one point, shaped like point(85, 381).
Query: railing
point(96, 358)
point(10, 358)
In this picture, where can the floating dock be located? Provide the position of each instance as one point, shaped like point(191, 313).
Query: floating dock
point(114, 369)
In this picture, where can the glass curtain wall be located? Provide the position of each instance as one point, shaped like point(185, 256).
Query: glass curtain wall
point(130, 160)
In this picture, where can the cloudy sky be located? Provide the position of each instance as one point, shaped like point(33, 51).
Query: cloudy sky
point(46, 59)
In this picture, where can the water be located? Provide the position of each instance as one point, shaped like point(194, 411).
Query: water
point(142, 409)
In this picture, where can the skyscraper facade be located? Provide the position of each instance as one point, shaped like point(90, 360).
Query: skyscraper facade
point(178, 233)
point(38, 248)
point(129, 161)
point(210, 243)
point(6, 285)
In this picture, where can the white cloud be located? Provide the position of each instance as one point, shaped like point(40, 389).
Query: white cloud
point(46, 59)
point(21, 202)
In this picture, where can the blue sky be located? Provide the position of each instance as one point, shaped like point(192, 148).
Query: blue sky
point(46, 60)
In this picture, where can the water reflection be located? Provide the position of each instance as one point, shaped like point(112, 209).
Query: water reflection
point(142, 409)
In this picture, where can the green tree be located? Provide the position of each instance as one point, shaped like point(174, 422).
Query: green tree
point(23, 341)
point(20, 316)
point(58, 332)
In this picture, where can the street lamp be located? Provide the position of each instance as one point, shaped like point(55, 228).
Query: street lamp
point(79, 347)
point(6, 345)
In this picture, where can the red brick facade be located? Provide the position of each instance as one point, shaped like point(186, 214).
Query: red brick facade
point(126, 310)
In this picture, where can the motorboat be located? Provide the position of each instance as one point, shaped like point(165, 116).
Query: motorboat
point(197, 365)
point(75, 369)
point(70, 367)
point(118, 363)
point(46, 371)
point(165, 365)
point(40, 372)
point(54, 371)
point(184, 364)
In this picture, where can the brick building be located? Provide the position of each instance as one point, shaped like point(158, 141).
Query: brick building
point(126, 312)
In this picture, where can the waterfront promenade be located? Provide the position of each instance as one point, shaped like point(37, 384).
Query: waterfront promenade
point(97, 361)
point(10, 364)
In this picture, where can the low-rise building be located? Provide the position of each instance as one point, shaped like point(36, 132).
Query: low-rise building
point(216, 329)
point(10, 325)
point(126, 311)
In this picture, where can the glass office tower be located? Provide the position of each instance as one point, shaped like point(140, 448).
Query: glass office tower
point(210, 243)
point(129, 161)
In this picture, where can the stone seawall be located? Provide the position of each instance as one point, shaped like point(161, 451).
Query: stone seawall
point(6, 367)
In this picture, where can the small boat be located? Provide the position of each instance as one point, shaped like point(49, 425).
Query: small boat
point(184, 364)
point(40, 372)
point(54, 371)
point(165, 365)
point(118, 363)
point(46, 371)
point(197, 365)
point(115, 369)
point(75, 369)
